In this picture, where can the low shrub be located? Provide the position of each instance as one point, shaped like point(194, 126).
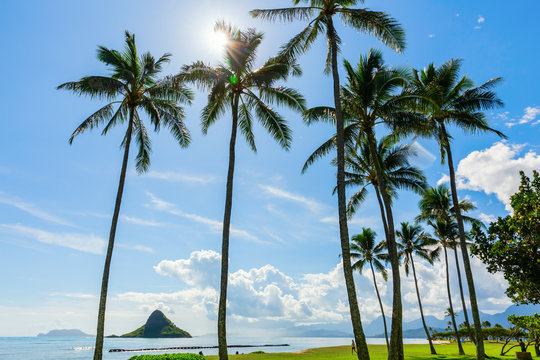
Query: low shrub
point(168, 357)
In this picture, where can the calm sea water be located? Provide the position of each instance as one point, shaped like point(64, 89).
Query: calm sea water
point(80, 348)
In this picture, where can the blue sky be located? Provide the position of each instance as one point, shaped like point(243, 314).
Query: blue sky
point(56, 200)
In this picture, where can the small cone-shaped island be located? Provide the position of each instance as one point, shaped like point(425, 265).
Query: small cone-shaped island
point(157, 326)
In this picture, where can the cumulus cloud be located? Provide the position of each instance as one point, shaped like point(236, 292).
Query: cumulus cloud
point(31, 209)
point(487, 218)
point(157, 306)
point(81, 242)
point(495, 170)
point(481, 19)
point(201, 270)
point(265, 297)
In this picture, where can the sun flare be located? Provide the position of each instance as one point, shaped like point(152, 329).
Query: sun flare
point(218, 40)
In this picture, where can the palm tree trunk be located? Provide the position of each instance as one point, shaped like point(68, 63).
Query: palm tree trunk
point(98, 351)
point(359, 336)
point(381, 207)
point(431, 347)
point(380, 304)
point(396, 332)
point(461, 352)
point(480, 353)
point(469, 330)
point(222, 307)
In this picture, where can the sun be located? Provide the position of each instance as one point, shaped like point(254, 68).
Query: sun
point(218, 41)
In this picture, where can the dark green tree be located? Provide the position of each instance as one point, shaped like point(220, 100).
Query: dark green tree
point(512, 243)
point(446, 99)
point(364, 251)
point(246, 92)
point(530, 324)
point(412, 241)
point(132, 86)
point(320, 16)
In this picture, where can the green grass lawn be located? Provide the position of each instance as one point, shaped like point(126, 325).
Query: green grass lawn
point(378, 352)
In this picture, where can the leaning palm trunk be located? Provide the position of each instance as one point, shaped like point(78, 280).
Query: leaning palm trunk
point(480, 353)
point(396, 332)
point(98, 352)
point(222, 307)
point(431, 347)
point(458, 340)
point(359, 336)
point(380, 304)
point(469, 330)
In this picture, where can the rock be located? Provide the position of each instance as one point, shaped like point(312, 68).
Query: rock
point(158, 326)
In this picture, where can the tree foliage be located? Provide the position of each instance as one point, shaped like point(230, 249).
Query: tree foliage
point(512, 243)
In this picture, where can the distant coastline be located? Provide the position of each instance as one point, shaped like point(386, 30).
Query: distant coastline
point(64, 332)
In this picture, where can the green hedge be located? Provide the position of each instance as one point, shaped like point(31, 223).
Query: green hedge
point(168, 357)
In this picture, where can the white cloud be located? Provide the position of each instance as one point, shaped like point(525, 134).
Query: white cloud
point(201, 270)
point(530, 115)
point(157, 306)
point(431, 36)
point(214, 225)
point(74, 295)
point(487, 218)
point(495, 170)
point(82, 242)
point(423, 158)
point(179, 177)
point(477, 27)
point(141, 248)
point(31, 209)
point(481, 19)
point(265, 297)
point(282, 194)
point(139, 221)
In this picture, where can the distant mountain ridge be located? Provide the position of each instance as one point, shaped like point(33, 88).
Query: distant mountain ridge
point(411, 329)
point(64, 332)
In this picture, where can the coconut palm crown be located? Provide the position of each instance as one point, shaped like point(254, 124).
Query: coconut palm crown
point(133, 85)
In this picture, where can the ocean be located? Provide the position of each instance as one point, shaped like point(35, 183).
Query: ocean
point(81, 348)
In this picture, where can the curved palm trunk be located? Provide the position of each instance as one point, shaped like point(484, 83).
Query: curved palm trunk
point(359, 336)
point(222, 307)
point(380, 304)
point(431, 347)
point(396, 332)
point(461, 352)
point(480, 352)
point(469, 330)
point(98, 351)
point(381, 207)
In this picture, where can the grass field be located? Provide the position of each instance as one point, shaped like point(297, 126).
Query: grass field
point(378, 352)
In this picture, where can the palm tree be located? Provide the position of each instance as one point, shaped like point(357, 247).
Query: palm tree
point(369, 98)
point(446, 232)
point(448, 99)
point(320, 17)
point(414, 242)
point(237, 86)
point(364, 250)
point(435, 203)
point(131, 86)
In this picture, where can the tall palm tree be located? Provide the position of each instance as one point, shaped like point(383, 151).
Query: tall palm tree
point(370, 98)
point(320, 16)
point(436, 203)
point(132, 86)
point(412, 241)
point(237, 86)
point(364, 250)
point(448, 99)
point(447, 232)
